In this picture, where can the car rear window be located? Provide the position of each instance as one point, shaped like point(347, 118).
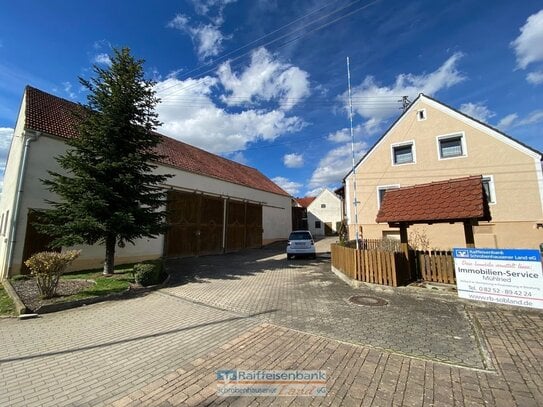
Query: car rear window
point(300, 236)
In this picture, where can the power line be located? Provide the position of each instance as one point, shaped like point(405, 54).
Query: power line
point(284, 36)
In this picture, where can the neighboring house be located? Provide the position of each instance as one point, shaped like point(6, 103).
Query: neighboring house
point(216, 205)
point(431, 142)
point(324, 213)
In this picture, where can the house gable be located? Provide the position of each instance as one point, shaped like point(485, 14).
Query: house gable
point(420, 103)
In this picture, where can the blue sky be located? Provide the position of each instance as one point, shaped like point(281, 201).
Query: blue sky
point(263, 82)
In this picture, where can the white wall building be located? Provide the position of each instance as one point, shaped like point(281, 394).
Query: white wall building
point(324, 214)
point(217, 205)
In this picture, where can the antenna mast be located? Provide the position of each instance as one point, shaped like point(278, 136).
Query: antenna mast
point(355, 202)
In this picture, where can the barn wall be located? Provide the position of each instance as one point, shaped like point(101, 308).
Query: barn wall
point(276, 208)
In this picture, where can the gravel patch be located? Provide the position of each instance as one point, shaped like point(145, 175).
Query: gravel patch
point(28, 291)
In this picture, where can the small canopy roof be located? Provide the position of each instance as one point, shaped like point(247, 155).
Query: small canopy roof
point(454, 200)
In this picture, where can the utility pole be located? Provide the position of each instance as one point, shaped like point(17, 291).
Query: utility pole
point(355, 202)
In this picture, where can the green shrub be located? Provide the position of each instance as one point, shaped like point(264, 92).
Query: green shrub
point(149, 273)
point(48, 267)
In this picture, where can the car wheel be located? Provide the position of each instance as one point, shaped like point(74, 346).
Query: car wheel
point(289, 256)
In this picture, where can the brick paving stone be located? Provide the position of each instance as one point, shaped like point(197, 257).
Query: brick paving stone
point(258, 311)
point(305, 295)
point(357, 375)
point(108, 348)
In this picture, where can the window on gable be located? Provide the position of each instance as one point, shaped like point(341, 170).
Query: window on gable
point(451, 146)
point(488, 186)
point(421, 114)
point(323, 205)
point(317, 224)
point(403, 154)
point(381, 193)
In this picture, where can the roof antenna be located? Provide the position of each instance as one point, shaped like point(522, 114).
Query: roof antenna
point(405, 103)
point(355, 202)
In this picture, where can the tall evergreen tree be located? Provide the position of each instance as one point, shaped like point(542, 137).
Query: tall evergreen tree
point(108, 191)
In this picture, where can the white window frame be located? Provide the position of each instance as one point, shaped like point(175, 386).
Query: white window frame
point(403, 144)
point(492, 188)
point(457, 134)
point(421, 115)
point(385, 187)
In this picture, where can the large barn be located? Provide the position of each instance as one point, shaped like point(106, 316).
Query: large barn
point(216, 205)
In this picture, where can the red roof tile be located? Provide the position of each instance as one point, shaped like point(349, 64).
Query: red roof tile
point(444, 201)
point(53, 115)
point(306, 201)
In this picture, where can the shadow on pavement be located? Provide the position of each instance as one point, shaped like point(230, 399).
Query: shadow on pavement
point(136, 338)
point(234, 266)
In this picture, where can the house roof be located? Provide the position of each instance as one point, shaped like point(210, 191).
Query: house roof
point(456, 199)
point(420, 96)
point(55, 116)
point(306, 201)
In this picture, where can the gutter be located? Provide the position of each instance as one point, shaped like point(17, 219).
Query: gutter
point(16, 203)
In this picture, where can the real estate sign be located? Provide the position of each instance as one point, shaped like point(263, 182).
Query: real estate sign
point(508, 276)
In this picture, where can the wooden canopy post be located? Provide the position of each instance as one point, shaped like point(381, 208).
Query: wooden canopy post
point(404, 245)
point(468, 233)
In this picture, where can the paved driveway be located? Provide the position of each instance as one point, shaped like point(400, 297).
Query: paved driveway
point(305, 295)
point(256, 310)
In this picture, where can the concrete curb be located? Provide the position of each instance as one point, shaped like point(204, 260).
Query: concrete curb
point(20, 308)
point(128, 293)
point(345, 279)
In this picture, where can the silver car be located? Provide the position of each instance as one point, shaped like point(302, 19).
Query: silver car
point(300, 243)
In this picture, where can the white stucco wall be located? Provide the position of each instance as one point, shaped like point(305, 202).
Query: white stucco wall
point(9, 189)
point(276, 208)
point(330, 213)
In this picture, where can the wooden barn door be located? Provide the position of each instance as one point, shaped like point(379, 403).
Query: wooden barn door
point(35, 241)
point(211, 225)
point(244, 226)
point(183, 212)
point(253, 226)
point(235, 227)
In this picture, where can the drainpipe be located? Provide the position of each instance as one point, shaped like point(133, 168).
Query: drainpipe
point(15, 208)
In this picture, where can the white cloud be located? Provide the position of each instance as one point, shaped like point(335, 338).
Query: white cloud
point(344, 135)
point(535, 78)
point(211, 8)
point(189, 114)
point(376, 103)
point(527, 45)
point(238, 157)
point(291, 187)
point(293, 160)
point(478, 111)
point(68, 89)
point(314, 192)
point(335, 165)
point(207, 38)
point(507, 121)
point(102, 59)
point(265, 79)
point(514, 120)
point(533, 118)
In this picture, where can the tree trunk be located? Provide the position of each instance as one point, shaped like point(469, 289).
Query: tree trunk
point(109, 264)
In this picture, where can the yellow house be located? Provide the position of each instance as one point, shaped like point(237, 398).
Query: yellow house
point(431, 142)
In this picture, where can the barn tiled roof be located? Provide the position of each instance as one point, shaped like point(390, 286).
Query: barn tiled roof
point(452, 200)
point(306, 201)
point(53, 115)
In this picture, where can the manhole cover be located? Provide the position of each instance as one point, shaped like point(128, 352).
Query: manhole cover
point(365, 300)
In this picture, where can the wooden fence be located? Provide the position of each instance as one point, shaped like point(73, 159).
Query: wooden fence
point(436, 266)
point(371, 266)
